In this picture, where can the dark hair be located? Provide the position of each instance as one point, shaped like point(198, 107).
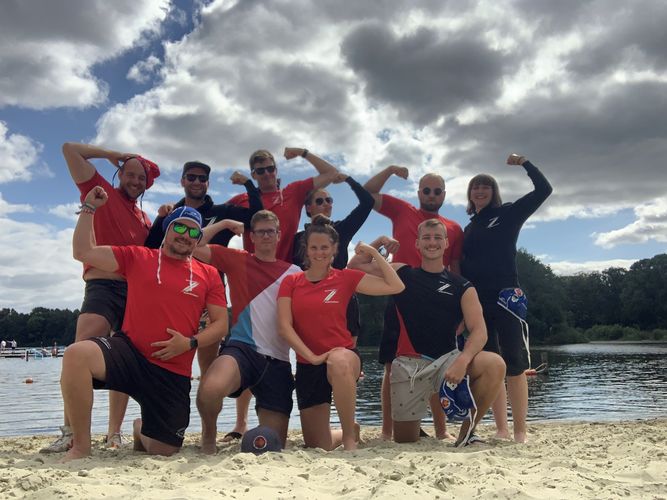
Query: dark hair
point(309, 198)
point(321, 224)
point(483, 180)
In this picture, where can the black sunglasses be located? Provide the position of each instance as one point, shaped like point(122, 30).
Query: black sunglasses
point(436, 191)
point(260, 170)
point(320, 201)
point(193, 177)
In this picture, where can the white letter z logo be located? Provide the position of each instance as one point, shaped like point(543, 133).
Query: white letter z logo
point(327, 299)
point(493, 222)
point(188, 289)
point(443, 288)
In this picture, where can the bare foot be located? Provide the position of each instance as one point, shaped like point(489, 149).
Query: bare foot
point(446, 436)
point(385, 436)
point(136, 434)
point(74, 454)
point(207, 442)
point(520, 437)
point(357, 433)
point(349, 444)
point(502, 434)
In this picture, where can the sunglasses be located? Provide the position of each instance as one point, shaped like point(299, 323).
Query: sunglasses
point(260, 170)
point(266, 232)
point(193, 177)
point(436, 191)
point(193, 232)
point(320, 201)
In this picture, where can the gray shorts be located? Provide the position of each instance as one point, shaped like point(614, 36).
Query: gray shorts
point(413, 381)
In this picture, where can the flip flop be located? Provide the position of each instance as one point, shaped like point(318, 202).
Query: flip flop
point(231, 436)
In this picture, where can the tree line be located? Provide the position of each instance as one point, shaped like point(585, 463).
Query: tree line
point(614, 304)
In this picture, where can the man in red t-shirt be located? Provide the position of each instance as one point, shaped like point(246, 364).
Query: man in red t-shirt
point(405, 219)
point(151, 359)
point(119, 222)
point(286, 202)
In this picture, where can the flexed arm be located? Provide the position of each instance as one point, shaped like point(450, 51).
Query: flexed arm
point(327, 172)
point(84, 248)
point(77, 156)
point(529, 203)
point(349, 226)
point(375, 184)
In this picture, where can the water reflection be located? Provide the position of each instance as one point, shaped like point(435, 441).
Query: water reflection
point(585, 382)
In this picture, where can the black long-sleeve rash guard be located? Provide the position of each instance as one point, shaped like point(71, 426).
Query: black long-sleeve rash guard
point(489, 241)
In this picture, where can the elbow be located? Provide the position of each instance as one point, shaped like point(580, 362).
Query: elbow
point(78, 254)
point(398, 288)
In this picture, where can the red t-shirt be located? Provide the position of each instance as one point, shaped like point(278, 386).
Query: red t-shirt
point(319, 310)
point(286, 204)
point(119, 221)
point(175, 303)
point(405, 219)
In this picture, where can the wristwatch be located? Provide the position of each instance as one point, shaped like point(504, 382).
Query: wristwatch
point(193, 343)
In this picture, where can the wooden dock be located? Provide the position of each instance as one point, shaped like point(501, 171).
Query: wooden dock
point(32, 352)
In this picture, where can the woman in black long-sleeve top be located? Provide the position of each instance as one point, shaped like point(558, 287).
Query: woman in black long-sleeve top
point(321, 202)
point(489, 262)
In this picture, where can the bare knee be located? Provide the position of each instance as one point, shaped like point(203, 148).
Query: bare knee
point(343, 364)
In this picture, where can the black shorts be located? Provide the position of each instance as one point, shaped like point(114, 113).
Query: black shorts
point(269, 379)
point(106, 298)
point(312, 386)
point(353, 316)
point(390, 331)
point(164, 396)
point(506, 337)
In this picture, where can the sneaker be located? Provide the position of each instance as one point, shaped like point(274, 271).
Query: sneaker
point(63, 443)
point(116, 441)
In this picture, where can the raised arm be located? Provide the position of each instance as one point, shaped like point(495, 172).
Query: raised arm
point(77, 156)
point(364, 261)
point(254, 200)
point(388, 283)
point(375, 184)
point(211, 230)
point(530, 202)
point(84, 248)
point(327, 172)
point(349, 226)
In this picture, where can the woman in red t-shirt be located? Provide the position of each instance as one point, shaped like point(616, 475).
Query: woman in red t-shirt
point(312, 319)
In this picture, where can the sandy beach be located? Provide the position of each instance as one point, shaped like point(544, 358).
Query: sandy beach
point(562, 460)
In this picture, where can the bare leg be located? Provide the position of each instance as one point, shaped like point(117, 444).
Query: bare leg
point(406, 432)
point(82, 362)
point(439, 420)
point(385, 397)
point(487, 371)
point(316, 429)
point(150, 445)
point(242, 406)
point(222, 378)
point(205, 356)
point(276, 421)
point(500, 414)
point(343, 368)
point(517, 388)
point(117, 408)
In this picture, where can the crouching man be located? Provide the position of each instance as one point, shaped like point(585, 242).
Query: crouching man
point(151, 358)
point(429, 309)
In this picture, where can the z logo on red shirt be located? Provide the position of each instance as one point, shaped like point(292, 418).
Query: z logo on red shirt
point(329, 297)
point(188, 290)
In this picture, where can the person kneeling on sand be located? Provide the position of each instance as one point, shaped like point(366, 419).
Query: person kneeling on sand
point(151, 358)
point(430, 308)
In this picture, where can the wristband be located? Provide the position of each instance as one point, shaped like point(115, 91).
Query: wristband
point(304, 154)
point(86, 208)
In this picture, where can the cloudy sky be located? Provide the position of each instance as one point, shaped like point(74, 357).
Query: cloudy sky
point(578, 86)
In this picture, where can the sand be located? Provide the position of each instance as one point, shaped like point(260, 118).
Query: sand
point(562, 460)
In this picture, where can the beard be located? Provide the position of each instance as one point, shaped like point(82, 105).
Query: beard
point(180, 250)
point(195, 196)
point(430, 207)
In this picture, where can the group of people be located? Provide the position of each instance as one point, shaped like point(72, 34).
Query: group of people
point(155, 296)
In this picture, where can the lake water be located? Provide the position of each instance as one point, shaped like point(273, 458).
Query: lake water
point(593, 382)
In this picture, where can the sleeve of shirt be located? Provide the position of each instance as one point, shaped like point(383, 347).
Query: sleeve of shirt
point(525, 206)
point(240, 199)
point(300, 189)
point(216, 290)
point(238, 211)
point(124, 257)
point(155, 235)
point(349, 226)
point(352, 277)
point(287, 286)
point(226, 259)
point(95, 180)
point(393, 207)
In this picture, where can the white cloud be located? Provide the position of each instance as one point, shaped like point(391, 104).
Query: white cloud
point(18, 155)
point(651, 225)
point(568, 268)
point(47, 52)
point(143, 71)
point(8, 208)
point(66, 211)
point(37, 268)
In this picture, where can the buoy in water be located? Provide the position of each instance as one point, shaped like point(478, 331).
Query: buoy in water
point(29, 380)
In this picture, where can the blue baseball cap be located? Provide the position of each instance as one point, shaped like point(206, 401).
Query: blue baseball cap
point(182, 213)
point(457, 400)
point(260, 440)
